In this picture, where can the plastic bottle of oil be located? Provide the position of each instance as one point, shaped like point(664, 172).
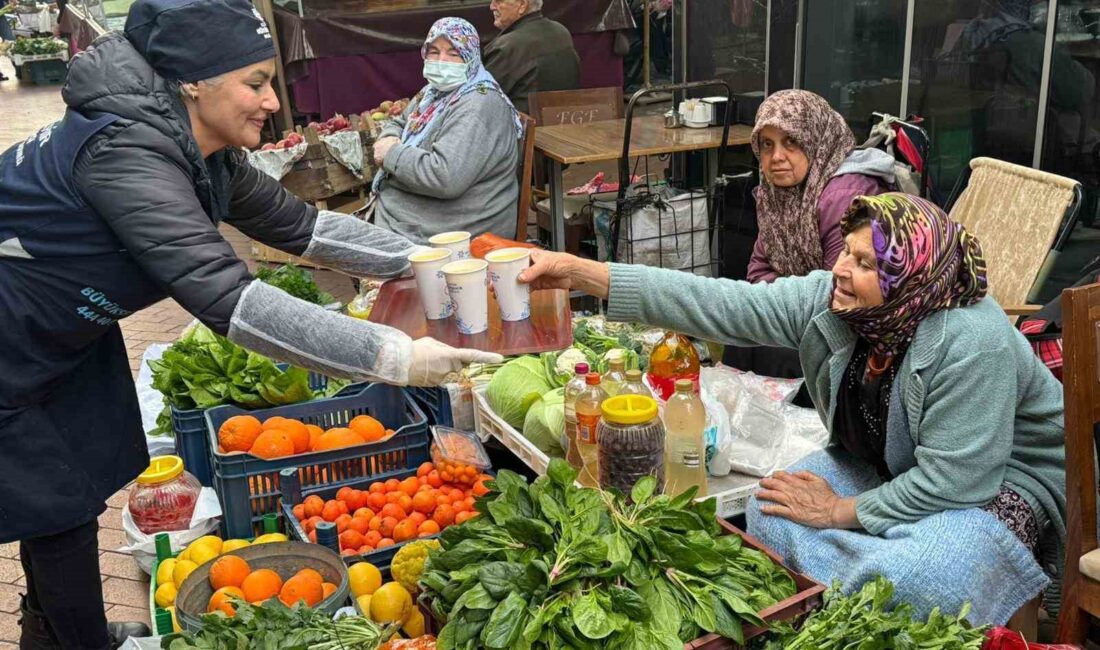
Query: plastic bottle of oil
point(572, 391)
point(613, 380)
point(673, 358)
point(685, 447)
point(634, 384)
point(588, 421)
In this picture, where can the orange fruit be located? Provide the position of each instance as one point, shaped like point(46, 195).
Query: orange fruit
point(424, 502)
point(311, 572)
point(375, 524)
point(313, 505)
point(418, 518)
point(444, 516)
point(349, 552)
point(312, 535)
point(228, 571)
point(434, 479)
point(331, 511)
point(343, 493)
point(377, 486)
point(395, 496)
point(360, 525)
point(343, 508)
point(388, 524)
point(297, 431)
point(393, 510)
point(464, 516)
point(424, 469)
point(404, 530)
point(410, 486)
point(315, 433)
point(363, 512)
point(392, 485)
point(327, 589)
point(302, 586)
point(372, 538)
point(220, 600)
point(384, 542)
point(338, 439)
point(351, 539)
point(273, 443)
point(367, 428)
point(376, 501)
point(342, 522)
point(238, 433)
point(406, 502)
point(260, 585)
point(428, 528)
point(299, 512)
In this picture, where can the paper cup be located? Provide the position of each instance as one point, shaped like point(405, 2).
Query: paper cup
point(513, 297)
point(458, 241)
point(428, 270)
point(466, 282)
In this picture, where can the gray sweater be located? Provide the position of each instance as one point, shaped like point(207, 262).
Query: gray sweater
point(972, 406)
point(462, 175)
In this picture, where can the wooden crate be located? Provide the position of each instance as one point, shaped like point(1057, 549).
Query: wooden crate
point(318, 176)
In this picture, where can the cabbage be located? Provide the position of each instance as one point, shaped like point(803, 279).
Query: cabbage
point(516, 386)
point(545, 423)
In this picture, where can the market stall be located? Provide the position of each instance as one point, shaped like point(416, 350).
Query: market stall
point(345, 57)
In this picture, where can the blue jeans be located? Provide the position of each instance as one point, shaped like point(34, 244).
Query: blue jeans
point(6, 32)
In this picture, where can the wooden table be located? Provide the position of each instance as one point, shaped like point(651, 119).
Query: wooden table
point(568, 144)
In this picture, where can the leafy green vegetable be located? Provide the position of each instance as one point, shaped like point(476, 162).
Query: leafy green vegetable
point(550, 565)
point(545, 423)
point(38, 46)
point(597, 344)
point(516, 386)
point(203, 370)
point(863, 620)
point(295, 281)
point(274, 626)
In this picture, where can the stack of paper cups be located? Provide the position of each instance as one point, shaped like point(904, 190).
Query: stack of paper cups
point(427, 267)
point(457, 241)
point(467, 283)
point(513, 298)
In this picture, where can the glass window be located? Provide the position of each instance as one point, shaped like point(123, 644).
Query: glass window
point(852, 56)
point(781, 59)
point(727, 42)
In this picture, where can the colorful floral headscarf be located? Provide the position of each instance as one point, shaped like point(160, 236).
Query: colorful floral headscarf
point(926, 263)
point(790, 232)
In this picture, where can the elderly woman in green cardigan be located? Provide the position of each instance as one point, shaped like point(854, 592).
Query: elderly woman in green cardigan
point(946, 468)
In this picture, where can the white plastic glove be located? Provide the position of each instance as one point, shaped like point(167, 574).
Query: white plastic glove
point(432, 361)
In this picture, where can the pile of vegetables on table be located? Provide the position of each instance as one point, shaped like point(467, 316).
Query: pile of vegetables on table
point(553, 565)
point(38, 46)
point(296, 281)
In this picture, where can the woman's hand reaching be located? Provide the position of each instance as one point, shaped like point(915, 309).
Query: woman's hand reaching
point(563, 271)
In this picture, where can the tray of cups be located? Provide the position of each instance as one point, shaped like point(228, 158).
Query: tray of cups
point(472, 303)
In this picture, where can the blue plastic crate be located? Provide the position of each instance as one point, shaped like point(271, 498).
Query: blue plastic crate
point(436, 403)
point(248, 486)
point(41, 73)
point(192, 444)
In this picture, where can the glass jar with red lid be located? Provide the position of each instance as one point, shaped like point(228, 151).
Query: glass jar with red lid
point(164, 497)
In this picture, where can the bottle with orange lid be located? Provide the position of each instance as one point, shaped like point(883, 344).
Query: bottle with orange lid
point(164, 497)
point(673, 358)
point(588, 421)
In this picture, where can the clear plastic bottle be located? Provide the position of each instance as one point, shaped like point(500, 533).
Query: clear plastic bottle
point(588, 422)
point(615, 376)
point(634, 385)
point(685, 446)
point(673, 358)
point(573, 390)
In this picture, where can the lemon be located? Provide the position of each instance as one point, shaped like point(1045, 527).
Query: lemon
point(234, 544)
point(200, 555)
point(364, 579)
point(182, 570)
point(364, 604)
point(165, 595)
point(271, 537)
point(213, 541)
point(390, 604)
point(185, 554)
point(414, 624)
point(164, 571)
point(175, 623)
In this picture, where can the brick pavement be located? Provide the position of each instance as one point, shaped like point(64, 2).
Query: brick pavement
point(25, 109)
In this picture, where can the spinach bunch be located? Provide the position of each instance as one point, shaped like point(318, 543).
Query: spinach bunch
point(552, 565)
point(863, 622)
point(274, 626)
point(296, 281)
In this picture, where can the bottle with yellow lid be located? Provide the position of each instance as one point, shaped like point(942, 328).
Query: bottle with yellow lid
point(631, 442)
point(164, 497)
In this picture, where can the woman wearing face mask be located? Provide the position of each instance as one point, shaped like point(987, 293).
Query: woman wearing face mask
point(946, 470)
point(116, 207)
point(449, 162)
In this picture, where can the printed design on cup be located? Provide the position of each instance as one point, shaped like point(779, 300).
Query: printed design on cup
point(466, 327)
point(462, 254)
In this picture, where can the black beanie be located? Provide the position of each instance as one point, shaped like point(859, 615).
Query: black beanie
point(192, 40)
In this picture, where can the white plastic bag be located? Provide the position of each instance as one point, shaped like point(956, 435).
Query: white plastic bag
point(715, 436)
point(151, 402)
point(204, 521)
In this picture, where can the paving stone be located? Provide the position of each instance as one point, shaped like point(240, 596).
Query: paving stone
point(132, 593)
point(119, 499)
point(10, 570)
point(111, 518)
point(9, 598)
point(120, 565)
point(9, 625)
point(127, 614)
point(10, 550)
point(111, 539)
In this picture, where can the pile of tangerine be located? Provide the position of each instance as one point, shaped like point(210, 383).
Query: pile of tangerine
point(396, 511)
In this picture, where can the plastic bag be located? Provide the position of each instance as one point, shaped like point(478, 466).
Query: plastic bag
point(780, 390)
point(716, 435)
point(151, 403)
point(1002, 638)
point(204, 521)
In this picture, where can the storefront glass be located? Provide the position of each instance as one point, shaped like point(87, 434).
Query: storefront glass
point(727, 41)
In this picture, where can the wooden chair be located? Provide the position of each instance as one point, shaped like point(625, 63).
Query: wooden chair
point(1017, 214)
point(526, 161)
point(1081, 386)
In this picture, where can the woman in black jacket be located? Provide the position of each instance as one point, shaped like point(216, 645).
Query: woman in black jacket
point(115, 207)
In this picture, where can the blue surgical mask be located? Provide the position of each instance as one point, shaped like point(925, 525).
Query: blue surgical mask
point(444, 75)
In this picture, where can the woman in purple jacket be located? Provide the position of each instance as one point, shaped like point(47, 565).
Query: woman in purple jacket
point(810, 172)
